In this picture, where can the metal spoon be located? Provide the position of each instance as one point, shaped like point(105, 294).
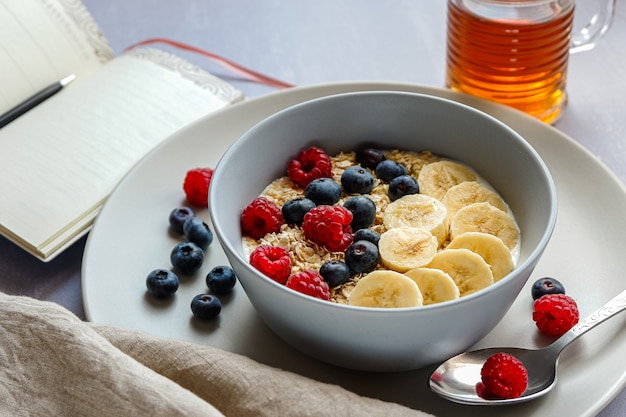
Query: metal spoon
point(456, 378)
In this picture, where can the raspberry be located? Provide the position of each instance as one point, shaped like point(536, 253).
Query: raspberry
point(310, 282)
point(502, 376)
point(196, 186)
point(329, 226)
point(555, 314)
point(261, 217)
point(311, 163)
point(272, 261)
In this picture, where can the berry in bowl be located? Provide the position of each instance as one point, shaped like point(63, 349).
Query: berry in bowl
point(382, 231)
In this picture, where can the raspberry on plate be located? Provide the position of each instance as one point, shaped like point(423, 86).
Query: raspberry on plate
point(272, 261)
point(310, 164)
point(310, 282)
point(329, 226)
point(555, 314)
point(261, 217)
point(502, 376)
point(196, 186)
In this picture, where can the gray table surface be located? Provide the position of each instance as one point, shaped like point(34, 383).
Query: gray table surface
point(309, 42)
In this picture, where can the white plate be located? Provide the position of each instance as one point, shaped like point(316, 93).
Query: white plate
point(130, 238)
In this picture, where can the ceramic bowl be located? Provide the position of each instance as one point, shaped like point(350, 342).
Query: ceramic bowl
point(383, 339)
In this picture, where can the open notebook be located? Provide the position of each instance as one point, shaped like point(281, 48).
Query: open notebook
point(60, 160)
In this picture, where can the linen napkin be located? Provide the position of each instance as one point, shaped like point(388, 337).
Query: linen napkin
point(54, 364)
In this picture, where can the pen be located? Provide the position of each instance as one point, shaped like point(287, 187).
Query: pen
point(33, 101)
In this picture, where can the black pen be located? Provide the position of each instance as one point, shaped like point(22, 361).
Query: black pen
point(33, 101)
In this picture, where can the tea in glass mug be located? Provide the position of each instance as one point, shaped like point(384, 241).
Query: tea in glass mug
point(516, 52)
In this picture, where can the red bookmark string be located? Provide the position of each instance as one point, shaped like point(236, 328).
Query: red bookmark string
point(248, 73)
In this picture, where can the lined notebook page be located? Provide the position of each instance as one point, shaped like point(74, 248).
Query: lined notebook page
point(44, 41)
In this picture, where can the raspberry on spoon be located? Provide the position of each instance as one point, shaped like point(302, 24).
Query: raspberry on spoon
point(502, 376)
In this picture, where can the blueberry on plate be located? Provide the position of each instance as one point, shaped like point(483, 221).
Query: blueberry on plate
point(357, 180)
point(294, 210)
point(363, 211)
point(187, 257)
point(162, 283)
point(401, 186)
point(335, 272)
point(221, 279)
point(367, 234)
point(206, 306)
point(198, 232)
point(178, 216)
point(546, 285)
point(323, 191)
point(362, 256)
point(388, 170)
point(369, 157)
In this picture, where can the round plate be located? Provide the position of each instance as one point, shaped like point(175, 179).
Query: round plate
point(130, 238)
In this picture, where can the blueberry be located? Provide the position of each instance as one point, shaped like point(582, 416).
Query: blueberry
point(198, 232)
point(323, 191)
point(335, 272)
point(221, 279)
point(388, 170)
point(363, 211)
point(362, 256)
point(401, 186)
point(367, 234)
point(162, 283)
point(206, 306)
point(546, 285)
point(357, 180)
point(295, 209)
point(369, 157)
point(178, 216)
point(187, 257)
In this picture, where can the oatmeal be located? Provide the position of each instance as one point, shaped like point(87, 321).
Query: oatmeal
point(414, 228)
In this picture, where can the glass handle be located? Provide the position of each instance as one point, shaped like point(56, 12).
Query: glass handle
point(586, 38)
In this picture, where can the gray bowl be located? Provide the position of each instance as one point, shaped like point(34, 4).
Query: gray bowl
point(383, 339)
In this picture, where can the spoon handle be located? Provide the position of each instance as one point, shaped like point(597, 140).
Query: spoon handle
point(610, 309)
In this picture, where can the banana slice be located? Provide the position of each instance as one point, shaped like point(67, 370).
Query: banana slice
point(485, 218)
point(470, 192)
point(418, 210)
point(490, 248)
point(405, 248)
point(385, 289)
point(435, 285)
point(469, 270)
point(436, 178)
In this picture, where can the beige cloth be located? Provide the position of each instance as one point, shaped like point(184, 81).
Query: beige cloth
point(54, 364)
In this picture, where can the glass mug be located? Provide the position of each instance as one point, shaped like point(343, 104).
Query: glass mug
point(516, 52)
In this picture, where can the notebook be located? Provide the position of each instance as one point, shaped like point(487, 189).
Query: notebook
point(61, 159)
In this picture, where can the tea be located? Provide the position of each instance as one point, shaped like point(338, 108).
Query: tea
point(509, 54)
